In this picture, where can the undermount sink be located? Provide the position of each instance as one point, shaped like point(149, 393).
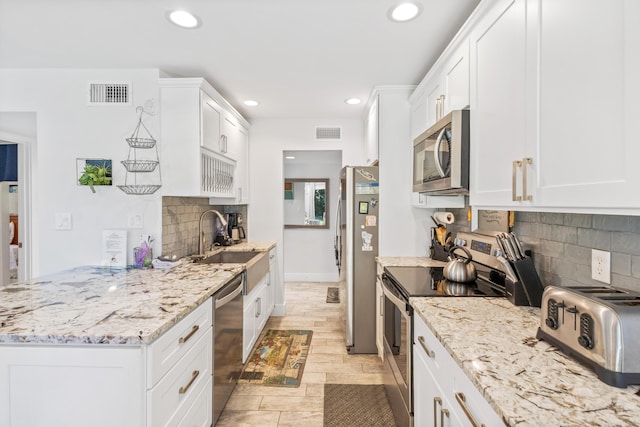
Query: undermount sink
point(229, 257)
point(257, 265)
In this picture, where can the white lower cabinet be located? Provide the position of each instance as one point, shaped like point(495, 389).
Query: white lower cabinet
point(255, 316)
point(167, 383)
point(442, 393)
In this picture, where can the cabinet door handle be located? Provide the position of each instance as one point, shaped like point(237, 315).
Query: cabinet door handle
point(184, 339)
point(436, 401)
point(462, 401)
point(423, 344)
point(525, 161)
point(514, 193)
point(443, 413)
point(194, 375)
point(258, 306)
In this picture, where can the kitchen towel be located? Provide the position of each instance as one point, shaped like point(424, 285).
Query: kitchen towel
point(444, 217)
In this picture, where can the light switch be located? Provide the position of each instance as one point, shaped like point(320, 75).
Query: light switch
point(136, 220)
point(63, 221)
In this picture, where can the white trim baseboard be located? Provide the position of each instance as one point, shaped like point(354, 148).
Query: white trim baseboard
point(311, 277)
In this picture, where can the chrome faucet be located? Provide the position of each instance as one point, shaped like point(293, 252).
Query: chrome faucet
point(201, 233)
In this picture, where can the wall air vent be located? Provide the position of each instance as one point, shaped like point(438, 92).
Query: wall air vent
point(328, 132)
point(109, 93)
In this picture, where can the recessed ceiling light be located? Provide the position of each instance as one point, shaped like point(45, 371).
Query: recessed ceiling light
point(251, 103)
point(353, 101)
point(183, 19)
point(404, 12)
point(290, 157)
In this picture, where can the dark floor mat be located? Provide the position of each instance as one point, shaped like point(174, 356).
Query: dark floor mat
point(333, 295)
point(356, 405)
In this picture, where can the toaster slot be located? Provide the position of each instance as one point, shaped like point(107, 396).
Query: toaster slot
point(595, 290)
point(629, 301)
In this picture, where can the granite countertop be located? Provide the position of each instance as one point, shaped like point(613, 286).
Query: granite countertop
point(528, 382)
point(96, 305)
point(409, 261)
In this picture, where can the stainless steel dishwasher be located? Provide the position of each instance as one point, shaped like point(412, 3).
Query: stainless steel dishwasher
point(227, 342)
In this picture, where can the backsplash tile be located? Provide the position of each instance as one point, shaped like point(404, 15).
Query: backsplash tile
point(561, 245)
point(180, 218)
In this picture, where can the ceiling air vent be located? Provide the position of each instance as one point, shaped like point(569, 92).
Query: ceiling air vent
point(328, 133)
point(101, 93)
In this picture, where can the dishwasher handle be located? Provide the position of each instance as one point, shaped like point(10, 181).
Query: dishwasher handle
point(228, 296)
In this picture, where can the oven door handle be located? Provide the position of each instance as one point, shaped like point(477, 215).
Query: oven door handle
point(392, 294)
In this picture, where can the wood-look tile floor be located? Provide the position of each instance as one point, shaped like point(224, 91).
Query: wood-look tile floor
point(328, 362)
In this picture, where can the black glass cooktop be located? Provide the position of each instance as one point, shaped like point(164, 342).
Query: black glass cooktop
point(430, 282)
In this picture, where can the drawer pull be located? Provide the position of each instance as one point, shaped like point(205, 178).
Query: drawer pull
point(443, 413)
point(436, 401)
point(526, 161)
point(194, 375)
point(423, 344)
point(184, 339)
point(514, 195)
point(462, 401)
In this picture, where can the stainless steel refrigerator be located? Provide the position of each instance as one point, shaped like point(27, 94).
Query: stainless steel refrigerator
point(356, 247)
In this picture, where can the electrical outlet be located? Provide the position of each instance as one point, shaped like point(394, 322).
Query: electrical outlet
point(601, 266)
point(63, 221)
point(136, 220)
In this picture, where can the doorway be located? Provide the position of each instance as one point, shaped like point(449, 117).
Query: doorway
point(313, 179)
point(17, 137)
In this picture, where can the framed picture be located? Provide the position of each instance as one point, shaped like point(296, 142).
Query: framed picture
point(93, 172)
point(288, 190)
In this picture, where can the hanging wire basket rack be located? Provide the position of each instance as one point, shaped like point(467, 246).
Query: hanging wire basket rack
point(139, 189)
point(140, 165)
point(138, 141)
point(134, 165)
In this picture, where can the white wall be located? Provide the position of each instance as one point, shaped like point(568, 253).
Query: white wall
point(268, 139)
point(404, 231)
point(309, 253)
point(67, 128)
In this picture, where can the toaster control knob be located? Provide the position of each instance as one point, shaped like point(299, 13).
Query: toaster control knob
point(551, 322)
point(585, 341)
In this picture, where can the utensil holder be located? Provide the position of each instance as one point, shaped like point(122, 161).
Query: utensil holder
point(529, 281)
point(142, 259)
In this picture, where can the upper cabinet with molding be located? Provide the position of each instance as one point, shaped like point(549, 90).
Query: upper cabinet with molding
point(445, 88)
point(204, 145)
point(553, 100)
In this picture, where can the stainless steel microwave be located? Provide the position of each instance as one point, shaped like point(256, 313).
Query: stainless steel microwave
point(441, 156)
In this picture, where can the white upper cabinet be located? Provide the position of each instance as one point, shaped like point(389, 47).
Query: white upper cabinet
point(553, 100)
point(499, 104)
point(444, 89)
point(211, 124)
point(204, 143)
point(588, 94)
point(455, 79)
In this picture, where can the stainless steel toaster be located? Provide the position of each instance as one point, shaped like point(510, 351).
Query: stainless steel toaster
point(599, 326)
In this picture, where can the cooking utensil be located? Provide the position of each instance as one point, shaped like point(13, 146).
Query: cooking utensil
point(441, 233)
point(510, 250)
point(518, 245)
point(460, 269)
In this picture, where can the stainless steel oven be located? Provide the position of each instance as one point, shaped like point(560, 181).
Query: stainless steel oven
point(398, 327)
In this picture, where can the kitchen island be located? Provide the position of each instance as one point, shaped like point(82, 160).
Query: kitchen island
point(526, 381)
point(91, 341)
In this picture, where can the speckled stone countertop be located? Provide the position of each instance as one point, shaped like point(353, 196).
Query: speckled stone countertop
point(95, 305)
point(528, 382)
point(409, 261)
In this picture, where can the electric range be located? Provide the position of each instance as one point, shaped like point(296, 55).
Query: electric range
point(430, 282)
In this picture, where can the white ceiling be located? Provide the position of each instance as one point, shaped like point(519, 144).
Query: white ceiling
point(298, 58)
